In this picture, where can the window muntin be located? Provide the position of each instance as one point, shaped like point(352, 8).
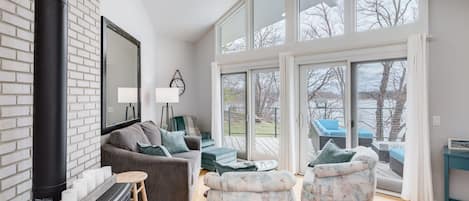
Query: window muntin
point(233, 32)
point(269, 23)
point(378, 14)
point(320, 19)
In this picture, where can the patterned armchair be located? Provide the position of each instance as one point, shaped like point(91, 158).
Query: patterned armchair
point(252, 186)
point(352, 181)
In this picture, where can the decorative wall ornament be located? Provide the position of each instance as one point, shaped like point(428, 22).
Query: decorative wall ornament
point(178, 82)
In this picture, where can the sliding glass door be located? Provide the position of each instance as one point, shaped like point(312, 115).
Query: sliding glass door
point(379, 110)
point(251, 108)
point(234, 106)
point(322, 111)
point(266, 109)
point(376, 110)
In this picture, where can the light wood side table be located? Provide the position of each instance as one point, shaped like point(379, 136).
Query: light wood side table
point(135, 178)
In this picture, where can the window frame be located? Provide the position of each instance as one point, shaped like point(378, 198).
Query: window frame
point(219, 24)
point(293, 42)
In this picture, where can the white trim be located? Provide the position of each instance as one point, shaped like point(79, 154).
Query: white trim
point(249, 24)
point(246, 66)
point(220, 22)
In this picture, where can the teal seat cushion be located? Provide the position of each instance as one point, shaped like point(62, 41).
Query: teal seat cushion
point(397, 153)
point(213, 154)
point(247, 166)
point(207, 143)
point(331, 153)
point(155, 150)
point(174, 141)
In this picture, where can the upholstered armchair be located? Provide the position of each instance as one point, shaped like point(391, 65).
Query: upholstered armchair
point(252, 186)
point(352, 181)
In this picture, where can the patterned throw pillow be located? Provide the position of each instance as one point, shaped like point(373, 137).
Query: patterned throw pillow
point(331, 153)
point(155, 150)
point(174, 141)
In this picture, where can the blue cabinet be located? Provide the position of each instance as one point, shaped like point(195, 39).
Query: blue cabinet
point(454, 160)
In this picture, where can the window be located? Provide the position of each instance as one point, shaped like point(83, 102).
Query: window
point(235, 112)
point(321, 19)
point(233, 32)
point(269, 23)
point(380, 112)
point(251, 113)
point(377, 14)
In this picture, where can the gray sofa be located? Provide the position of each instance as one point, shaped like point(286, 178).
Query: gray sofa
point(168, 178)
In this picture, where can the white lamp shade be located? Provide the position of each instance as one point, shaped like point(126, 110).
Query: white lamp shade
point(167, 95)
point(127, 95)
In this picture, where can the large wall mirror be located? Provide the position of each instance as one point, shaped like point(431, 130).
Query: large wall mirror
point(120, 78)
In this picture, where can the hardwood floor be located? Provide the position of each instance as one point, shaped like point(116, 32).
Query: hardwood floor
point(201, 188)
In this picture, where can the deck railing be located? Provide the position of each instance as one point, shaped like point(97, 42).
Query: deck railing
point(235, 117)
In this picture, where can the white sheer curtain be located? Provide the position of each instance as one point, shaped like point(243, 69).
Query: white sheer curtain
point(288, 149)
point(217, 133)
point(417, 181)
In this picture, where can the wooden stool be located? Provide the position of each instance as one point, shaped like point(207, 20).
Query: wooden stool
point(135, 178)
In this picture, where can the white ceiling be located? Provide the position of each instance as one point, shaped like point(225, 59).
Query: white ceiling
point(187, 20)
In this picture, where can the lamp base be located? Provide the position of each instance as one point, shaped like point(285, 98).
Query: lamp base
point(168, 117)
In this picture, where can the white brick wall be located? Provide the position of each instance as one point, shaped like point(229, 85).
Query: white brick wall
point(83, 87)
point(16, 77)
point(16, 85)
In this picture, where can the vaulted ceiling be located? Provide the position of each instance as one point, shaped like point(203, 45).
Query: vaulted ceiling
point(187, 20)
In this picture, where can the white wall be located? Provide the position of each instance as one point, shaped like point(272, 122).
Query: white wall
point(449, 80)
point(204, 56)
point(160, 56)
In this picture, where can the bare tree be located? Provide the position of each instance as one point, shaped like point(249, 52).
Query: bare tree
point(321, 22)
point(267, 36)
point(266, 95)
point(381, 14)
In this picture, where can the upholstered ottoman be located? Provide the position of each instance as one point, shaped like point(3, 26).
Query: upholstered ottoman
point(218, 154)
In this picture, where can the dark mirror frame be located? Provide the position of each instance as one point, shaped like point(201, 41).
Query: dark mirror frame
point(105, 25)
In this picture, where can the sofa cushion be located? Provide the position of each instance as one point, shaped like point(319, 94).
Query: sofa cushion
point(128, 137)
point(155, 150)
point(331, 153)
point(174, 141)
point(152, 132)
point(329, 124)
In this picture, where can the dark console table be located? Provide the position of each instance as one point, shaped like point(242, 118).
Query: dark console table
point(118, 192)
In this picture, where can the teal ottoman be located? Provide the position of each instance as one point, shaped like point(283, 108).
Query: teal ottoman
point(217, 154)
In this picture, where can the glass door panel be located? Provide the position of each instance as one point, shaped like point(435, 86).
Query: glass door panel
point(234, 112)
point(266, 93)
point(322, 108)
point(379, 110)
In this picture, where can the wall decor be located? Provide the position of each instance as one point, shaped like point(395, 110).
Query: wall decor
point(178, 82)
point(120, 78)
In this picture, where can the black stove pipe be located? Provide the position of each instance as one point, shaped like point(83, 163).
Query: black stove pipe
point(50, 99)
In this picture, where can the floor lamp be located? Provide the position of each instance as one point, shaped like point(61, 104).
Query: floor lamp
point(128, 96)
point(167, 96)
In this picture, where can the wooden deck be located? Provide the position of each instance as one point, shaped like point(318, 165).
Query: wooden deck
point(265, 147)
point(268, 147)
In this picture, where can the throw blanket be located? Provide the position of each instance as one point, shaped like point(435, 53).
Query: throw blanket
point(187, 124)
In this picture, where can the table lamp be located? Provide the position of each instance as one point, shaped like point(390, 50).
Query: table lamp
point(167, 96)
point(128, 96)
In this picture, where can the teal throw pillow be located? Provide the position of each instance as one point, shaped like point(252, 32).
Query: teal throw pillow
point(331, 153)
point(156, 150)
point(247, 166)
point(174, 141)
